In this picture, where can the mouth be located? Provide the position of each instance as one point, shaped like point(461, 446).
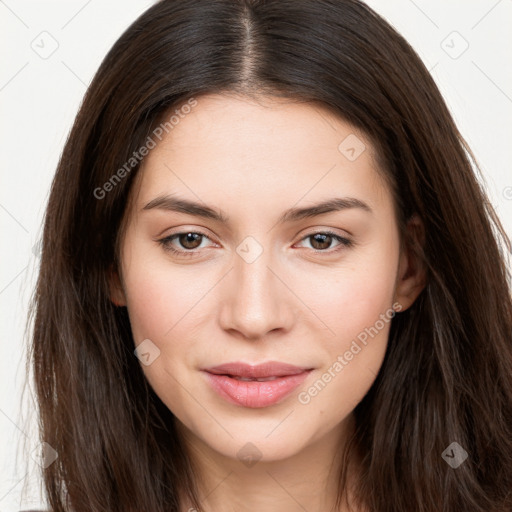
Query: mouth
point(255, 386)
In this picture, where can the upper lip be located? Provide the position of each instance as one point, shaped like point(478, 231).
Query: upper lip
point(256, 371)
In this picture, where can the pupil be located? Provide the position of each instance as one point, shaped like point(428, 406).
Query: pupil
point(190, 238)
point(320, 238)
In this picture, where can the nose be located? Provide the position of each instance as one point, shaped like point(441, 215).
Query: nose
point(256, 299)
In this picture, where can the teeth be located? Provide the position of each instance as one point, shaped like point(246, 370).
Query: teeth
point(248, 379)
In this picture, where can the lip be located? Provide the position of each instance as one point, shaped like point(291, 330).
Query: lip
point(283, 379)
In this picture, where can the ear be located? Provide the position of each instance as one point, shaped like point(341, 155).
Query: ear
point(117, 295)
point(411, 276)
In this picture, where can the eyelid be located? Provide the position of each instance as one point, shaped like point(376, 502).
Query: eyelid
point(326, 230)
point(343, 241)
point(165, 242)
point(181, 231)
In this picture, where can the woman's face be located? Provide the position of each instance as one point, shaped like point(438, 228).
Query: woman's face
point(258, 290)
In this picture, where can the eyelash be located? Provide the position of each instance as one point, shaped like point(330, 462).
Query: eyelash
point(165, 242)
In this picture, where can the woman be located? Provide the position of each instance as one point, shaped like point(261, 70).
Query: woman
point(270, 279)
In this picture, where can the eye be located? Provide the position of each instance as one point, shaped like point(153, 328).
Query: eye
point(322, 240)
point(187, 240)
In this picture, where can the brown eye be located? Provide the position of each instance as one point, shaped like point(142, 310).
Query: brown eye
point(322, 241)
point(189, 240)
point(184, 243)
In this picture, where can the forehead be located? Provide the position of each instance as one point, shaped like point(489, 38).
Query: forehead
point(267, 153)
point(282, 126)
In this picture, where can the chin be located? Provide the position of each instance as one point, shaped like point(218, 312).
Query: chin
point(256, 440)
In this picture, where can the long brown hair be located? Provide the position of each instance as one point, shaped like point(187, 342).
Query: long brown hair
point(447, 373)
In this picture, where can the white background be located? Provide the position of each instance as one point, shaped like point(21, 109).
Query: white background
point(39, 98)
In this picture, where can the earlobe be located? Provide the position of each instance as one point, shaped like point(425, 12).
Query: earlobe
point(117, 295)
point(411, 276)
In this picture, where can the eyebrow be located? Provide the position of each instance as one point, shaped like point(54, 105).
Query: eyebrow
point(181, 205)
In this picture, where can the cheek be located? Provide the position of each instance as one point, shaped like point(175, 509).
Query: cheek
point(160, 295)
point(153, 305)
point(352, 357)
point(356, 304)
point(161, 305)
point(351, 298)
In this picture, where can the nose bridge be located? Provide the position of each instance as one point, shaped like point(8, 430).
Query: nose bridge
point(257, 303)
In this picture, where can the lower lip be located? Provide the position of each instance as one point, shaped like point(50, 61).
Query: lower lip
point(254, 393)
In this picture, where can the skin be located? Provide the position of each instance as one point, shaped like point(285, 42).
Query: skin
point(252, 161)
